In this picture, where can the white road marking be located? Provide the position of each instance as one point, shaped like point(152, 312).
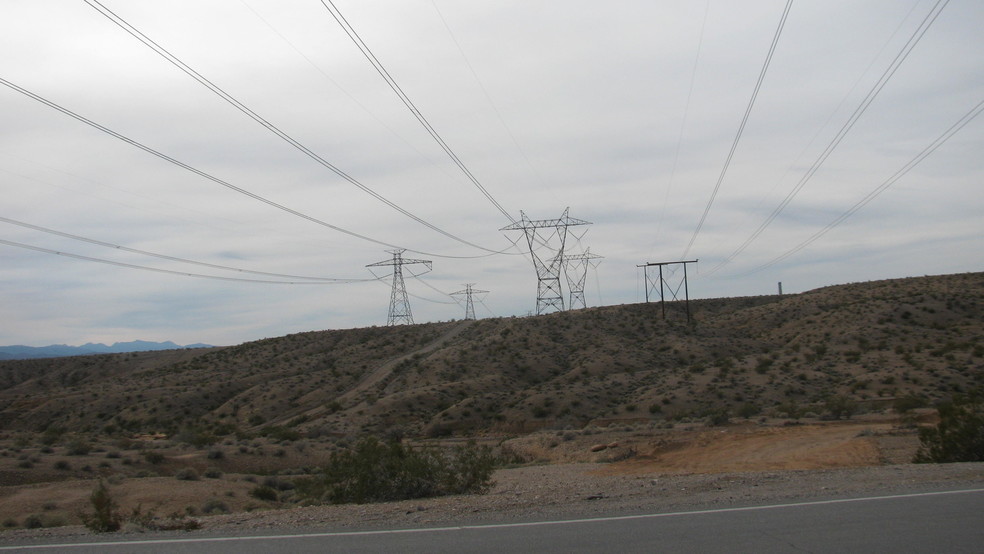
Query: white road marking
point(486, 526)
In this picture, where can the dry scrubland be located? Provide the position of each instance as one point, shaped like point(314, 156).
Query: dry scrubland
point(835, 377)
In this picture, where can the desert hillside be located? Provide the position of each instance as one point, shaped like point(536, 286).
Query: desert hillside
point(831, 351)
point(571, 403)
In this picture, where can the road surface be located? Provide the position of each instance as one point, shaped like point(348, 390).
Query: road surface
point(940, 521)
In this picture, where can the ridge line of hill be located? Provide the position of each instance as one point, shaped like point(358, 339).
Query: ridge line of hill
point(829, 351)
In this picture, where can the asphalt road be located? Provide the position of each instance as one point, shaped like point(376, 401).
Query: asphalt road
point(943, 521)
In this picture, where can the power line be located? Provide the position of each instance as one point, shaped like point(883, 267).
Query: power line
point(967, 118)
point(488, 97)
point(741, 127)
point(683, 123)
point(172, 258)
point(212, 178)
point(416, 276)
point(169, 271)
point(378, 66)
point(845, 129)
point(147, 41)
point(335, 83)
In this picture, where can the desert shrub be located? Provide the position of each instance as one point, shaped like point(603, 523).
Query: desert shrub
point(790, 409)
point(215, 454)
point(51, 435)
point(264, 492)
point(718, 416)
point(78, 447)
point(958, 437)
point(280, 433)
point(838, 406)
point(277, 483)
point(153, 457)
point(908, 403)
point(138, 520)
point(63, 465)
point(186, 474)
point(212, 473)
point(438, 430)
point(376, 471)
point(215, 506)
point(748, 409)
point(33, 521)
point(196, 437)
point(105, 517)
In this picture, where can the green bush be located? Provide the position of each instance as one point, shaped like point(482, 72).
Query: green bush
point(105, 517)
point(375, 471)
point(958, 437)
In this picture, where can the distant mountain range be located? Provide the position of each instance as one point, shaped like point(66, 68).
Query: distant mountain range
point(18, 352)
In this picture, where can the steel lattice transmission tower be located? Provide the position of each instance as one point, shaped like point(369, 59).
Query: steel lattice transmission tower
point(549, 235)
point(576, 270)
point(399, 310)
point(469, 304)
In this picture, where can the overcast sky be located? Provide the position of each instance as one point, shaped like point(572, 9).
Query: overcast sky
point(623, 111)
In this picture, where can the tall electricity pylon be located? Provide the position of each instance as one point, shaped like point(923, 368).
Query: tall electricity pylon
point(469, 305)
point(548, 291)
point(399, 311)
point(576, 270)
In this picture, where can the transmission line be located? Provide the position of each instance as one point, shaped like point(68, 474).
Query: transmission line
point(171, 258)
point(170, 271)
point(683, 123)
point(488, 97)
point(147, 41)
point(845, 129)
point(378, 66)
point(212, 178)
point(741, 127)
point(963, 121)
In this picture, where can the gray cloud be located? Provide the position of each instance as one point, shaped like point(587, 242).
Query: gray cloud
point(592, 109)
